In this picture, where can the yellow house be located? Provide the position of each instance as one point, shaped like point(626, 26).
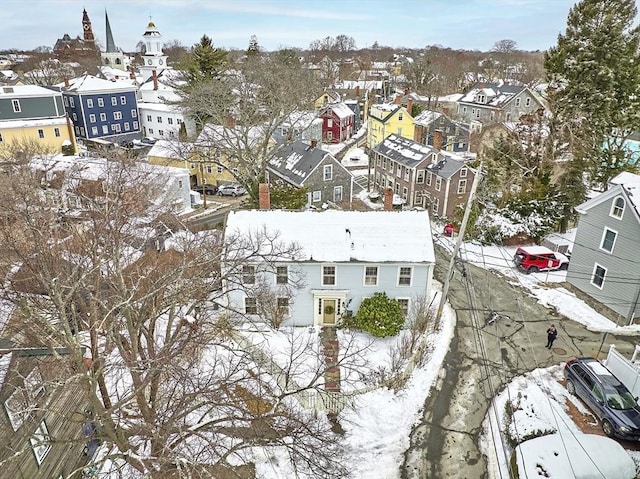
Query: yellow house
point(34, 116)
point(327, 96)
point(385, 120)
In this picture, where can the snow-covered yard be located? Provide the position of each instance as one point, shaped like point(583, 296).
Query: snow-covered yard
point(377, 429)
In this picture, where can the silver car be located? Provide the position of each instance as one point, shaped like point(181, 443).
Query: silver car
point(231, 190)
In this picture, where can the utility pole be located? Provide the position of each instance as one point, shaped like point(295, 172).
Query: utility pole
point(465, 219)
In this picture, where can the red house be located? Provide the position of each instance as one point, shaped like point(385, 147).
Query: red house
point(337, 123)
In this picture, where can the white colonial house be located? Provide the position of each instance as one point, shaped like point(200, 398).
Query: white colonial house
point(341, 257)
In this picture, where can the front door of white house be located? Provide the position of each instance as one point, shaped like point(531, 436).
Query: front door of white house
point(328, 305)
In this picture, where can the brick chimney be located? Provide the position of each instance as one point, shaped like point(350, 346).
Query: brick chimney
point(264, 198)
point(154, 74)
point(230, 122)
point(409, 105)
point(66, 82)
point(388, 199)
point(438, 138)
point(398, 99)
point(132, 74)
point(314, 143)
point(357, 91)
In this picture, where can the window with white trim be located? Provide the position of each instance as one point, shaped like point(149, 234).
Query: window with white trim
point(103, 117)
point(282, 275)
point(123, 100)
point(250, 305)
point(462, 187)
point(371, 276)
point(117, 115)
point(94, 130)
point(89, 103)
point(438, 183)
point(159, 119)
point(407, 174)
point(420, 177)
point(617, 208)
point(337, 194)
point(100, 101)
point(328, 276)
point(608, 240)
point(126, 126)
point(134, 113)
point(248, 274)
point(404, 276)
point(170, 121)
point(72, 102)
point(598, 276)
point(114, 101)
point(105, 129)
point(463, 172)
point(92, 118)
point(517, 101)
point(404, 305)
point(429, 177)
point(40, 133)
point(56, 132)
point(316, 196)
point(135, 125)
point(327, 172)
point(435, 206)
point(41, 442)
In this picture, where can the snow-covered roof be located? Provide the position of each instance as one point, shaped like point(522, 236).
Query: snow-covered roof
point(296, 161)
point(342, 236)
point(22, 91)
point(574, 455)
point(627, 184)
point(427, 117)
point(340, 109)
point(162, 107)
point(496, 95)
point(7, 124)
point(404, 151)
point(171, 149)
point(90, 83)
point(230, 137)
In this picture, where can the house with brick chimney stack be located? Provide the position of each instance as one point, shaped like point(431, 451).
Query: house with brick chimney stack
point(422, 175)
point(101, 108)
point(303, 165)
point(438, 130)
point(342, 258)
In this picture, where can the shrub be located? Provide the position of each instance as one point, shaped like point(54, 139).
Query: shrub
point(379, 316)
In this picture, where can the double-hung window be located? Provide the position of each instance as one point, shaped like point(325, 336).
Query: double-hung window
point(404, 276)
point(328, 276)
point(282, 275)
point(248, 274)
point(371, 275)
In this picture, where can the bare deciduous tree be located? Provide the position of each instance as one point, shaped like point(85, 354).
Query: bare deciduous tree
point(172, 387)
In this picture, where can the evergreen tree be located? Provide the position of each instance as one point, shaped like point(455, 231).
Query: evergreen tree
point(253, 49)
point(204, 62)
point(594, 76)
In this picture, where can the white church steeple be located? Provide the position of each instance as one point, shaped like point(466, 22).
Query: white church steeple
point(154, 58)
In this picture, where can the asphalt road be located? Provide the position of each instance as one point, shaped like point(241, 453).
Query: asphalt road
point(481, 359)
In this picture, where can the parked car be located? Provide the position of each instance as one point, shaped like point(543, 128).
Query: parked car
point(208, 189)
point(449, 229)
point(231, 190)
point(532, 259)
point(606, 396)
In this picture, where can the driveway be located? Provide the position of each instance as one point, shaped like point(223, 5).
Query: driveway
point(482, 357)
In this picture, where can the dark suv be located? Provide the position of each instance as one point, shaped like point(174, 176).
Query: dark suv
point(606, 396)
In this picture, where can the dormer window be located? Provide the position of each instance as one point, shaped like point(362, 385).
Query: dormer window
point(617, 209)
point(482, 98)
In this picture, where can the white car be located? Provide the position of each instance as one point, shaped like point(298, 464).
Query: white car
point(231, 190)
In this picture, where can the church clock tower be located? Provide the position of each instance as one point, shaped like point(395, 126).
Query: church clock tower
point(154, 58)
point(86, 29)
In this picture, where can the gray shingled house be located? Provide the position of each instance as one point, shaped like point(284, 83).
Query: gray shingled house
point(302, 165)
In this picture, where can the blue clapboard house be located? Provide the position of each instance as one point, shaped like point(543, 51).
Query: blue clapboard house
point(102, 109)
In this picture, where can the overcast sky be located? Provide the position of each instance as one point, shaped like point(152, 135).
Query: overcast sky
point(459, 24)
